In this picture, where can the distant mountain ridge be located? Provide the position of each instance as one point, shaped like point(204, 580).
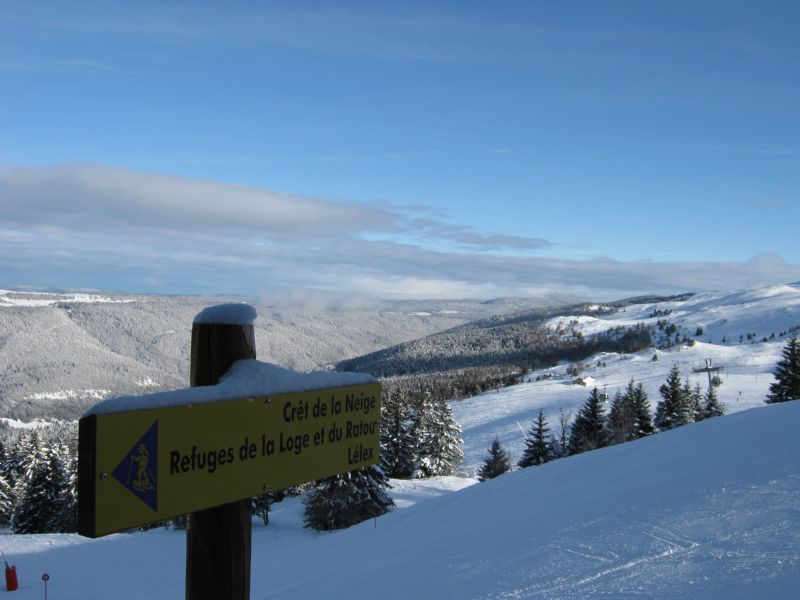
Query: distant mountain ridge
point(62, 352)
point(534, 338)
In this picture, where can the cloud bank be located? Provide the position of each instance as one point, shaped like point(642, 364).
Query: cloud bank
point(111, 228)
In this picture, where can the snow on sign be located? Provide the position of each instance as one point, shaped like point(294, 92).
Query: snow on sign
point(184, 451)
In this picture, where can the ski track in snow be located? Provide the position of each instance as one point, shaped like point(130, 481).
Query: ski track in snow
point(691, 547)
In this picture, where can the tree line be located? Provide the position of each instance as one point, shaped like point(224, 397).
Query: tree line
point(38, 480)
point(628, 418)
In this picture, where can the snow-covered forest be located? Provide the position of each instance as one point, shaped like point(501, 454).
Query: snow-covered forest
point(61, 353)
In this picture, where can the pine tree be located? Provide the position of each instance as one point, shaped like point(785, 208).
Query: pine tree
point(32, 514)
point(588, 430)
point(689, 404)
point(63, 480)
point(10, 470)
point(439, 445)
point(6, 489)
point(696, 403)
point(496, 463)
point(787, 375)
point(397, 441)
point(6, 502)
point(711, 405)
point(674, 409)
point(260, 506)
point(622, 417)
point(348, 498)
point(24, 458)
point(644, 417)
point(3, 459)
point(538, 445)
point(45, 502)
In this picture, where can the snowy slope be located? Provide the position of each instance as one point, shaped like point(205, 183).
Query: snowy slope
point(710, 510)
point(746, 373)
point(761, 311)
point(746, 377)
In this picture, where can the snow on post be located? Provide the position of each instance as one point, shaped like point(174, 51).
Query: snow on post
point(227, 314)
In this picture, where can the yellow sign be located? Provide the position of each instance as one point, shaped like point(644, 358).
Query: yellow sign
point(143, 466)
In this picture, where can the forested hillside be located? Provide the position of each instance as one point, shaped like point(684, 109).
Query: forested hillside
point(524, 340)
point(60, 353)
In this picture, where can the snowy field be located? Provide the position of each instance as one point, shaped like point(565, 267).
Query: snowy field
point(710, 510)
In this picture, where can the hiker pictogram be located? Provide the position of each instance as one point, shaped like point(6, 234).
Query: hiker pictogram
point(144, 480)
point(138, 471)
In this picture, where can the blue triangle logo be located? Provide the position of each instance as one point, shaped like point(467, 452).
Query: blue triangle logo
point(138, 471)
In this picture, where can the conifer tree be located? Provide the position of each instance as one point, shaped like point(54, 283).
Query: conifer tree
point(45, 502)
point(787, 375)
point(262, 503)
point(6, 489)
point(622, 417)
point(673, 410)
point(32, 514)
point(64, 504)
point(697, 404)
point(260, 506)
point(439, 445)
point(496, 463)
point(644, 417)
point(589, 428)
point(63, 479)
point(12, 467)
point(712, 407)
point(397, 441)
point(6, 502)
point(538, 444)
point(26, 456)
point(347, 498)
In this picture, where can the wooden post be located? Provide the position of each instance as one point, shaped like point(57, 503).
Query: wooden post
point(218, 539)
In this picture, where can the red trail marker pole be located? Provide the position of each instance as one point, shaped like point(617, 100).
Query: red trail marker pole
point(11, 578)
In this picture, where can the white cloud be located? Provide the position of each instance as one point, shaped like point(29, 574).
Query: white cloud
point(107, 227)
point(90, 196)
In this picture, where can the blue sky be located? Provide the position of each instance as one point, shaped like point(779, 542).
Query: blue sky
point(400, 149)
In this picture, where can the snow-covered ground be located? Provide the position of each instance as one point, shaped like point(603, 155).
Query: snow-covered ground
point(729, 315)
point(746, 366)
point(746, 375)
point(30, 299)
point(118, 566)
point(710, 510)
